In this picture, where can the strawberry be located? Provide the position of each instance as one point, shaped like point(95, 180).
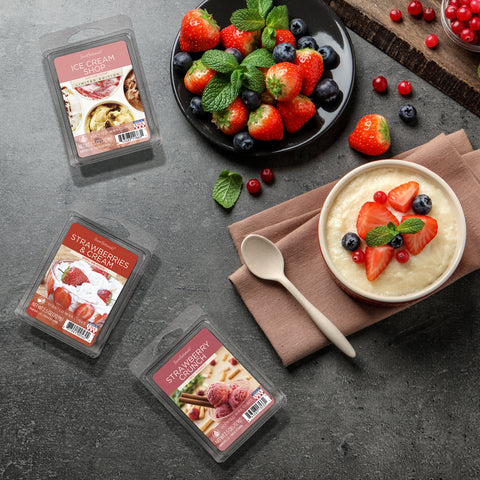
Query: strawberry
point(62, 297)
point(284, 81)
point(233, 119)
point(285, 36)
point(197, 77)
point(84, 311)
point(371, 135)
point(99, 319)
point(311, 64)
point(50, 283)
point(101, 272)
point(416, 242)
point(265, 123)
point(199, 31)
point(401, 197)
point(74, 276)
point(377, 259)
point(246, 42)
point(105, 295)
point(296, 113)
point(373, 215)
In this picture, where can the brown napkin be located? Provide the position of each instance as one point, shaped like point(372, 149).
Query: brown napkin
point(292, 225)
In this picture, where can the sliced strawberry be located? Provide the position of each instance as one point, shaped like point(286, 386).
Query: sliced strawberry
point(101, 272)
point(377, 259)
point(416, 242)
point(84, 311)
point(62, 297)
point(401, 197)
point(373, 215)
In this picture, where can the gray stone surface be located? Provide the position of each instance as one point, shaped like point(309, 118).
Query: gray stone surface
point(406, 409)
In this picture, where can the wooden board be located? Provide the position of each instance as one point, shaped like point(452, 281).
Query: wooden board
point(451, 69)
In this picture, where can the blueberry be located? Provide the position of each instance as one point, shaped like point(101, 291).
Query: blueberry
point(396, 241)
point(251, 99)
point(182, 61)
point(327, 91)
point(351, 241)
point(422, 204)
point(284, 52)
point(243, 142)
point(330, 57)
point(236, 53)
point(196, 107)
point(408, 113)
point(307, 42)
point(298, 27)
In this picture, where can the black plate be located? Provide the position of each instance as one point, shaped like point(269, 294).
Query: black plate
point(326, 28)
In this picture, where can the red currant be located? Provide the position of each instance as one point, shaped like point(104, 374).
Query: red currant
point(194, 414)
point(464, 14)
point(475, 23)
point(358, 256)
point(253, 185)
point(380, 197)
point(467, 35)
point(396, 15)
point(429, 14)
point(457, 26)
point(402, 256)
point(455, 3)
point(475, 6)
point(379, 84)
point(213, 363)
point(233, 361)
point(415, 7)
point(451, 12)
point(266, 175)
point(431, 41)
point(404, 87)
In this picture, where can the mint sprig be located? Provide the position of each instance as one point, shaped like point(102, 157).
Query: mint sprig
point(227, 188)
point(260, 6)
point(384, 234)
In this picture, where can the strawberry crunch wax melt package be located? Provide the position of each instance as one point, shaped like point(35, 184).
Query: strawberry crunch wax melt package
point(207, 384)
point(99, 91)
point(84, 283)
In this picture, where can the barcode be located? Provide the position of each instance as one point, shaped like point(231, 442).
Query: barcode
point(77, 330)
point(257, 407)
point(131, 135)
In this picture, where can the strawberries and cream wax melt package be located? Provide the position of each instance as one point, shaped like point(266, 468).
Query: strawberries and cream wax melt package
point(100, 91)
point(207, 384)
point(84, 283)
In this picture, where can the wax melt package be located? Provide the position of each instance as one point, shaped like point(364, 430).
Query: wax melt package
point(85, 280)
point(207, 384)
point(99, 90)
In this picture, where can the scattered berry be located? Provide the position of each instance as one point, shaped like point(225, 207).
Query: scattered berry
point(199, 31)
point(373, 215)
point(236, 53)
point(371, 135)
point(310, 63)
point(431, 41)
point(402, 256)
point(284, 52)
point(265, 123)
point(251, 99)
point(350, 241)
point(422, 204)
point(358, 256)
point(253, 186)
point(380, 197)
point(327, 91)
point(416, 242)
point(196, 107)
point(429, 14)
point(408, 113)
point(298, 27)
point(395, 14)
point(331, 60)
point(404, 87)
point(396, 241)
point(266, 175)
point(415, 8)
point(307, 42)
point(182, 61)
point(377, 260)
point(401, 197)
point(380, 84)
point(233, 361)
point(243, 142)
point(194, 413)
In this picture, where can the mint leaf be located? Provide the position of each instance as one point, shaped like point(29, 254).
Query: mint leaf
point(219, 61)
point(219, 93)
point(278, 18)
point(247, 20)
point(411, 225)
point(261, 6)
point(227, 188)
point(237, 77)
point(259, 58)
point(268, 38)
point(254, 79)
point(379, 236)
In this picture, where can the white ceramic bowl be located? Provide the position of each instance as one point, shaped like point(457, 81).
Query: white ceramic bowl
point(371, 296)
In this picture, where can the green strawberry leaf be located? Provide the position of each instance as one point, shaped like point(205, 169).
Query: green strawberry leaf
point(247, 20)
point(254, 79)
point(384, 131)
point(379, 236)
point(268, 38)
point(411, 225)
point(227, 188)
point(259, 58)
point(219, 61)
point(219, 93)
point(261, 6)
point(278, 18)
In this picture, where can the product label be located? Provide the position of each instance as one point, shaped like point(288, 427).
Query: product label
point(101, 98)
point(82, 284)
point(212, 389)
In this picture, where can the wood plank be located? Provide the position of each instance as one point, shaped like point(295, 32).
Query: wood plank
point(451, 69)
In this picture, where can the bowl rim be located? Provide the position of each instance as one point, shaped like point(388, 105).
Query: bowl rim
point(459, 248)
point(471, 47)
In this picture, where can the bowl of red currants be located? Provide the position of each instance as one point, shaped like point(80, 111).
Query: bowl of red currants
point(461, 21)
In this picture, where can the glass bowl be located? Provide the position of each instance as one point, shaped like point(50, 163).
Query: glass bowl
point(472, 47)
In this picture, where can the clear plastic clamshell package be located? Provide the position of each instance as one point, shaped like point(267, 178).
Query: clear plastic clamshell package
point(207, 384)
point(99, 91)
point(85, 280)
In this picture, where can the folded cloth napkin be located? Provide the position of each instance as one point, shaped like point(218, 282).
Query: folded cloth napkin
point(292, 225)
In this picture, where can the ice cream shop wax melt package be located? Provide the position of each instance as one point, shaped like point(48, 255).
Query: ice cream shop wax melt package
point(84, 282)
point(207, 384)
point(99, 90)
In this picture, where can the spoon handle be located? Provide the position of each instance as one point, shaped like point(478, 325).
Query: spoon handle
point(322, 322)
